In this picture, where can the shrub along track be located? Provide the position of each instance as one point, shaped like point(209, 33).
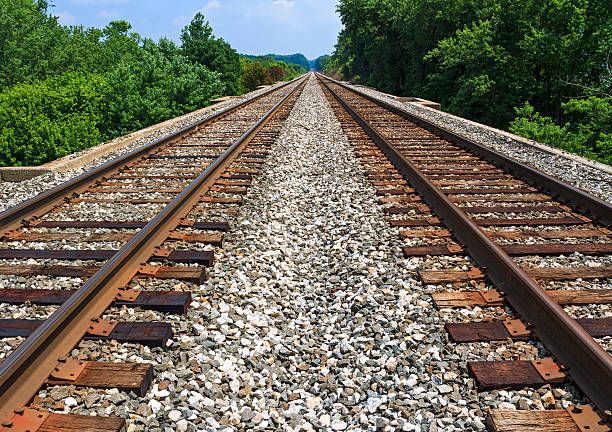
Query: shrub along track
point(180, 192)
point(452, 196)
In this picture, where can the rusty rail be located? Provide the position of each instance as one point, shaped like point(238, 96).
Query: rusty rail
point(42, 203)
point(587, 362)
point(578, 199)
point(26, 369)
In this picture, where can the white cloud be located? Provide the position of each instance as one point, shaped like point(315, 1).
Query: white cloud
point(284, 11)
point(66, 18)
point(210, 6)
point(109, 15)
point(206, 10)
point(98, 1)
point(284, 4)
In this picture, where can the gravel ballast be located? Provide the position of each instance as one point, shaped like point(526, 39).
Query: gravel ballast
point(311, 318)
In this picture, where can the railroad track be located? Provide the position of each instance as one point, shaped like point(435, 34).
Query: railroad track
point(505, 221)
point(169, 203)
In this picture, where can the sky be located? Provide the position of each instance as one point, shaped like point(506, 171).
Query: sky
point(309, 27)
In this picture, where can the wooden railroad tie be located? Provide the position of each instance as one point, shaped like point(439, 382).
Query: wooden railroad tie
point(190, 274)
point(515, 249)
point(504, 374)
point(34, 420)
point(176, 255)
point(152, 334)
point(433, 277)
point(174, 302)
point(580, 418)
point(491, 298)
point(568, 220)
point(500, 330)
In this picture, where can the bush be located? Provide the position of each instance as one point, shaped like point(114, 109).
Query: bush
point(589, 134)
point(157, 87)
point(50, 119)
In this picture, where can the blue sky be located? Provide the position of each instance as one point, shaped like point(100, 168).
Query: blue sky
point(250, 26)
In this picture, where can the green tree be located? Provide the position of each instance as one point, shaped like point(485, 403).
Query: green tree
point(162, 85)
point(253, 75)
point(29, 41)
point(49, 119)
point(482, 58)
point(201, 46)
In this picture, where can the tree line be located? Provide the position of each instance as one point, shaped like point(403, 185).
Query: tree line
point(540, 68)
point(67, 88)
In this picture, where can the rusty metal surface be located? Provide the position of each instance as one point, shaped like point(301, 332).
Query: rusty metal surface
point(27, 368)
point(100, 327)
point(586, 419)
point(516, 328)
point(128, 295)
point(25, 420)
point(68, 369)
point(42, 203)
point(548, 369)
point(589, 364)
point(492, 296)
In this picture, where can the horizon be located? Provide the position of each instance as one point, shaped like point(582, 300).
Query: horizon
point(259, 28)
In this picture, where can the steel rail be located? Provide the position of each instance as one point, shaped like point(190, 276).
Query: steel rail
point(586, 361)
point(26, 369)
point(12, 218)
point(576, 198)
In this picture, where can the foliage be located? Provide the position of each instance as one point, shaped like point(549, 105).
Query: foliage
point(201, 46)
point(51, 118)
point(63, 89)
point(29, 40)
point(481, 59)
point(321, 63)
point(293, 59)
point(162, 85)
point(263, 70)
point(253, 75)
point(589, 135)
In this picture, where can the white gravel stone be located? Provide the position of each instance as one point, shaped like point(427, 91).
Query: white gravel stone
point(174, 415)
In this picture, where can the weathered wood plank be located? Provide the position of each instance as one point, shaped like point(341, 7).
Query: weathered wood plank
point(533, 421)
point(514, 209)
point(477, 331)
point(490, 375)
point(414, 222)
point(563, 297)
point(176, 255)
point(132, 190)
point(544, 274)
point(401, 191)
point(176, 302)
point(222, 200)
point(503, 198)
point(557, 249)
point(153, 334)
point(190, 274)
point(213, 226)
point(553, 234)
point(81, 423)
point(215, 239)
point(569, 220)
point(495, 330)
point(126, 377)
point(487, 191)
point(433, 250)
point(517, 250)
